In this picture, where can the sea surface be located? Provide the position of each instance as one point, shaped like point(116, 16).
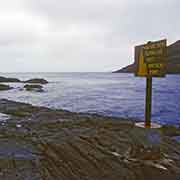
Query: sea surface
point(110, 94)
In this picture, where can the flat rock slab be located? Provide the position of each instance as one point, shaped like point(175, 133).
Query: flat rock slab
point(84, 146)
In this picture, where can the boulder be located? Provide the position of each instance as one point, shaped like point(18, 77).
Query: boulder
point(4, 87)
point(36, 80)
point(34, 87)
point(4, 79)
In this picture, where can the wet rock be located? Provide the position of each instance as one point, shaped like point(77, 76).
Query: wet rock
point(34, 87)
point(4, 87)
point(16, 108)
point(4, 79)
point(36, 80)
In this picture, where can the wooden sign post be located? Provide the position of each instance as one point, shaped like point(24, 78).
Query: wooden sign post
point(148, 102)
point(150, 59)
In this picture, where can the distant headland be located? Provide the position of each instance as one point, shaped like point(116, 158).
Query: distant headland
point(173, 64)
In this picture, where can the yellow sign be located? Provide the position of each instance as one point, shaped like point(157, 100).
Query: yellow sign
point(150, 59)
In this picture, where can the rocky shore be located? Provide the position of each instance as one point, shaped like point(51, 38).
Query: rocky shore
point(38, 143)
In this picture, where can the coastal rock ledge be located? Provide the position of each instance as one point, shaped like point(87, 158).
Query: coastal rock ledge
point(15, 80)
point(4, 87)
point(34, 87)
point(36, 80)
point(9, 80)
point(47, 144)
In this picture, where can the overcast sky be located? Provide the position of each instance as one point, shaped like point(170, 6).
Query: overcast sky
point(81, 35)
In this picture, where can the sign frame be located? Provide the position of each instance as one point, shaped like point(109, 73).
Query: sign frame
point(150, 69)
point(158, 52)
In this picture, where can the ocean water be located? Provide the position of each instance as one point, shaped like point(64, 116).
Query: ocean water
point(119, 95)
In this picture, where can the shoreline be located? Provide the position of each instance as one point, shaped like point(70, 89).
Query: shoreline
point(42, 143)
point(86, 94)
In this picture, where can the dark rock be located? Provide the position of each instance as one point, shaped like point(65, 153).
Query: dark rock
point(128, 69)
point(170, 130)
point(4, 79)
point(58, 143)
point(38, 81)
point(4, 87)
point(146, 144)
point(34, 87)
point(173, 61)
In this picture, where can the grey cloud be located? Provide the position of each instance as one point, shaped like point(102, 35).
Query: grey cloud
point(88, 35)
